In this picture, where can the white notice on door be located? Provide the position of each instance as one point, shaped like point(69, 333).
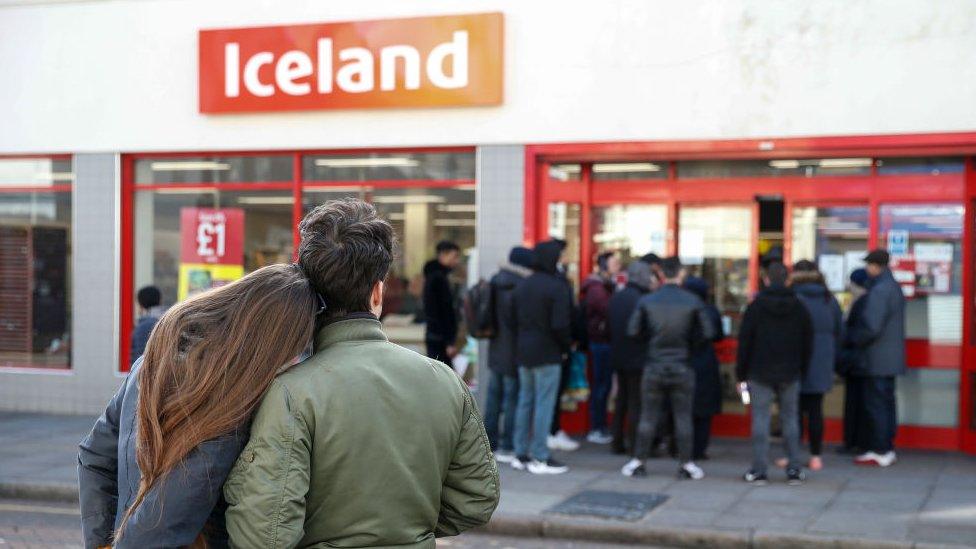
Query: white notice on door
point(832, 267)
point(933, 251)
point(691, 246)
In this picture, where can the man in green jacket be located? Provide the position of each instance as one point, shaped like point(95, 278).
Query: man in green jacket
point(365, 444)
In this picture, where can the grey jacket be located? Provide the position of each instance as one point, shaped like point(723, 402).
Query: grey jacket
point(828, 323)
point(672, 321)
point(190, 497)
point(884, 326)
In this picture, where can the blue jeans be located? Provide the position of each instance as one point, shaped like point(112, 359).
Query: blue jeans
point(602, 375)
point(538, 390)
point(502, 400)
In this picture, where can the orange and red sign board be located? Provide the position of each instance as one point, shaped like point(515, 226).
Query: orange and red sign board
point(453, 60)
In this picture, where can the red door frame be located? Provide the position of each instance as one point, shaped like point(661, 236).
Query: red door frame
point(871, 190)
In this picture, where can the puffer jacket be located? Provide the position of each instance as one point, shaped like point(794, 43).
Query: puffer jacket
point(364, 444)
point(501, 348)
point(672, 321)
point(828, 323)
point(883, 323)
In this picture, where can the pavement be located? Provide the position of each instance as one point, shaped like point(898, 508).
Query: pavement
point(927, 500)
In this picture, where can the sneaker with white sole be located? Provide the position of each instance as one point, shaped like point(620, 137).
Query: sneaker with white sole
point(634, 468)
point(876, 460)
point(691, 471)
point(754, 478)
point(520, 463)
point(599, 437)
point(794, 477)
point(547, 467)
point(561, 441)
point(504, 456)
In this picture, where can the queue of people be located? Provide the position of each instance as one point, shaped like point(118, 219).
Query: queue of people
point(653, 328)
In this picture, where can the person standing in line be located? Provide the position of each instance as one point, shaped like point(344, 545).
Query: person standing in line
point(853, 366)
point(503, 386)
point(542, 311)
point(828, 326)
point(627, 356)
point(883, 330)
point(440, 309)
point(672, 321)
point(775, 339)
point(558, 439)
point(596, 292)
point(150, 310)
point(708, 381)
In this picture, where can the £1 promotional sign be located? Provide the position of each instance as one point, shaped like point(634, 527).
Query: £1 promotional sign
point(211, 248)
point(453, 60)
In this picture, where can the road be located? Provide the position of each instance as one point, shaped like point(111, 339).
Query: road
point(37, 524)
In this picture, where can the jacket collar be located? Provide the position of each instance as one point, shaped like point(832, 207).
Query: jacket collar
point(355, 327)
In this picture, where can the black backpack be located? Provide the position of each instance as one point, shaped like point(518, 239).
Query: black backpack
point(479, 310)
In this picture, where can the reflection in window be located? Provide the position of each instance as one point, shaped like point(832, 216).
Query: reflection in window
point(836, 238)
point(388, 166)
point(565, 172)
point(814, 167)
point(632, 230)
point(35, 260)
point(213, 169)
point(936, 165)
point(624, 171)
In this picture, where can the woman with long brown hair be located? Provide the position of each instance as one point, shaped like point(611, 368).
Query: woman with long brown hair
point(152, 469)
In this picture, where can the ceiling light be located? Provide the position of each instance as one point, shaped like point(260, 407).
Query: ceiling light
point(845, 163)
point(457, 208)
point(409, 199)
point(784, 164)
point(266, 200)
point(367, 162)
point(195, 165)
point(626, 167)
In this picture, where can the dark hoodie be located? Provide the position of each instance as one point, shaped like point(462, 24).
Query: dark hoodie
point(775, 338)
point(543, 309)
point(439, 309)
point(501, 348)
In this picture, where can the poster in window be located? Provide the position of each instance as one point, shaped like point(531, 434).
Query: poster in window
point(211, 248)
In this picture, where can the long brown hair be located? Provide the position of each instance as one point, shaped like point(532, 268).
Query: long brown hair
point(210, 359)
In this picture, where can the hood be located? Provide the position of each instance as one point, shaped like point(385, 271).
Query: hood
point(639, 274)
point(433, 267)
point(777, 300)
point(547, 256)
point(517, 270)
point(521, 256)
point(697, 286)
point(810, 289)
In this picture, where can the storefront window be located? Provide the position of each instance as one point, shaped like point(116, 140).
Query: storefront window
point(808, 167)
point(35, 261)
point(388, 166)
point(631, 230)
point(565, 172)
point(564, 224)
point(936, 165)
point(928, 397)
point(836, 239)
point(625, 171)
point(213, 169)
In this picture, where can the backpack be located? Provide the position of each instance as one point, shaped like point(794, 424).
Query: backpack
point(479, 310)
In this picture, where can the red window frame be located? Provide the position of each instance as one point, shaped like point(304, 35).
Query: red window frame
point(871, 190)
point(296, 185)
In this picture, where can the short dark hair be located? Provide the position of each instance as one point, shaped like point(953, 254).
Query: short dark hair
point(805, 266)
point(447, 246)
point(671, 267)
point(346, 249)
point(149, 297)
point(776, 273)
point(603, 259)
point(651, 259)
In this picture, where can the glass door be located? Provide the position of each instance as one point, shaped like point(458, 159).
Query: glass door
point(564, 224)
point(631, 230)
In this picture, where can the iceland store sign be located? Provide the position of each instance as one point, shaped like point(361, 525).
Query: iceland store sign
point(418, 62)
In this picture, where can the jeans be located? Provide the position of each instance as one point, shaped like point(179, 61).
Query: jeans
point(538, 389)
point(881, 414)
point(601, 384)
point(502, 398)
point(628, 410)
point(763, 395)
point(811, 409)
point(678, 383)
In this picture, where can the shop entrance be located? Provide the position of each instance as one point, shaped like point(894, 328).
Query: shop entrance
point(727, 218)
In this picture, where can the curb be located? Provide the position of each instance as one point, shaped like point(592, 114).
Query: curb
point(66, 492)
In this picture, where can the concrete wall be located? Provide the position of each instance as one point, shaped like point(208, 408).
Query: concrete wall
point(80, 77)
point(94, 303)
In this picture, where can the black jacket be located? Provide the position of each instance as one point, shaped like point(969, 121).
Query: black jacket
point(672, 321)
point(543, 310)
point(501, 348)
point(853, 359)
point(626, 353)
point(439, 309)
point(775, 338)
point(185, 502)
point(708, 381)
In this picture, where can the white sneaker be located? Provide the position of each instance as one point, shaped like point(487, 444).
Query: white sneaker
point(691, 471)
point(548, 467)
point(561, 441)
point(878, 460)
point(633, 468)
point(519, 463)
point(504, 456)
point(599, 437)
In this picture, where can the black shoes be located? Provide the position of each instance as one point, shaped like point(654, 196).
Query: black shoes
point(754, 478)
point(794, 477)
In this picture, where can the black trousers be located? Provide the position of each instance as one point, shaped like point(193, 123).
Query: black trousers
point(811, 408)
point(703, 434)
point(437, 350)
point(627, 410)
point(854, 416)
point(658, 382)
point(881, 413)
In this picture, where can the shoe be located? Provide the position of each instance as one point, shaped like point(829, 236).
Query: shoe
point(547, 467)
point(520, 463)
point(794, 477)
point(877, 460)
point(690, 471)
point(782, 462)
point(599, 437)
point(816, 463)
point(561, 441)
point(634, 468)
point(754, 478)
point(504, 456)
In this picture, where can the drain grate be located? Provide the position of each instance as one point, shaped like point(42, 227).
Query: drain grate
point(613, 505)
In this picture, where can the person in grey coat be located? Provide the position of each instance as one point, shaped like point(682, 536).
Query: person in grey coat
point(828, 321)
point(883, 327)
